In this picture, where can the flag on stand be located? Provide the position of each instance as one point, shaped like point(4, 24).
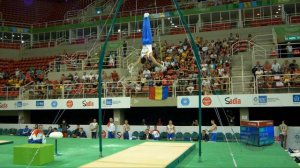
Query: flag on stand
point(158, 92)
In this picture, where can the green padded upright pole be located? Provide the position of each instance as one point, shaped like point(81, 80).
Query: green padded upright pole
point(198, 61)
point(100, 64)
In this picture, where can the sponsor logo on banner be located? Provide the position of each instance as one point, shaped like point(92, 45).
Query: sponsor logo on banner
point(20, 104)
point(107, 102)
point(69, 103)
point(206, 101)
point(86, 103)
point(185, 101)
point(229, 100)
point(54, 103)
point(39, 103)
point(260, 99)
point(265, 99)
point(3, 105)
point(296, 99)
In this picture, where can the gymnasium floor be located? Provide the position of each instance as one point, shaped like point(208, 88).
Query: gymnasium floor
point(77, 152)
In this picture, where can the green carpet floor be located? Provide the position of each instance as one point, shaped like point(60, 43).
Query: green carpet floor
point(77, 152)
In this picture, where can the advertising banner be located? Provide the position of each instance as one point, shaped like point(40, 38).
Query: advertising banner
point(50, 104)
point(245, 100)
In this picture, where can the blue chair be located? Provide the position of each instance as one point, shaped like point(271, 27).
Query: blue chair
point(237, 136)
point(163, 136)
point(195, 136)
point(141, 135)
point(187, 136)
point(179, 136)
point(135, 135)
point(220, 137)
point(229, 136)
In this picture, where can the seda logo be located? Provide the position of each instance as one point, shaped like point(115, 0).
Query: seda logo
point(228, 100)
point(69, 103)
point(87, 103)
point(3, 105)
point(206, 101)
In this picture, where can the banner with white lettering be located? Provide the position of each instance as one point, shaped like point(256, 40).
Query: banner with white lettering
point(245, 100)
point(89, 103)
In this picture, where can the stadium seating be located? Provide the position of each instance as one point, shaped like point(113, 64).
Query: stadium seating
point(37, 11)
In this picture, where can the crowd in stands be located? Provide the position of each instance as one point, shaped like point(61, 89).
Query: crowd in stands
point(181, 66)
point(277, 75)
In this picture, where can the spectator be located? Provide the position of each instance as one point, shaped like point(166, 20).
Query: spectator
point(81, 133)
point(124, 48)
point(267, 68)
point(26, 131)
point(111, 128)
point(147, 135)
point(213, 131)
point(195, 123)
point(146, 73)
point(256, 68)
point(115, 76)
point(85, 77)
point(64, 128)
point(159, 122)
point(276, 69)
point(76, 78)
point(283, 128)
point(126, 129)
point(70, 77)
point(293, 66)
point(75, 132)
point(171, 131)
point(155, 133)
point(289, 50)
point(37, 136)
point(94, 128)
point(204, 136)
point(57, 63)
point(285, 66)
point(50, 130)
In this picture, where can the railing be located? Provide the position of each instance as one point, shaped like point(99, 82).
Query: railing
point(278, 83)
point(262, 84)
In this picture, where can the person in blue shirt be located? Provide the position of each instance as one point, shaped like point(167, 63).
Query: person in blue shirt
point(26, 131)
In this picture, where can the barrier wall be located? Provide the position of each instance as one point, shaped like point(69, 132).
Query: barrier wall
point(293, 140)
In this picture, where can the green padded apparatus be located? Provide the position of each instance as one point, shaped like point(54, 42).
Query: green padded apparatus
point(24, 154)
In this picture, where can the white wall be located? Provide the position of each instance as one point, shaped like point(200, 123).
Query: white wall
point(293, 140)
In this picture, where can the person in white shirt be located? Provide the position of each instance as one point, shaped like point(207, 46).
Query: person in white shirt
point(111, 128)
point(155, 133)
point(91, 76)
point(213, 130)
point(289, 50)
point(94, 128)
point(283, 134)
point(126, 129)
point(75, 77)
point(170, 131)
point(147, 73)
point(85, 77)
point(276, 67)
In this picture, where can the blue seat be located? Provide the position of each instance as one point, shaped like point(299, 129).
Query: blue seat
point(195, 136)
point(179, 136)
point(135, 135)
point(229, 136)
point(220, 137)
point(187, 136)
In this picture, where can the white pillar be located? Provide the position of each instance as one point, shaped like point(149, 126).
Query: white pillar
point(244, 113)
point(240, 22)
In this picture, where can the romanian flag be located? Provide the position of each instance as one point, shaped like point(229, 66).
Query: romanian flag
point(158, 92)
